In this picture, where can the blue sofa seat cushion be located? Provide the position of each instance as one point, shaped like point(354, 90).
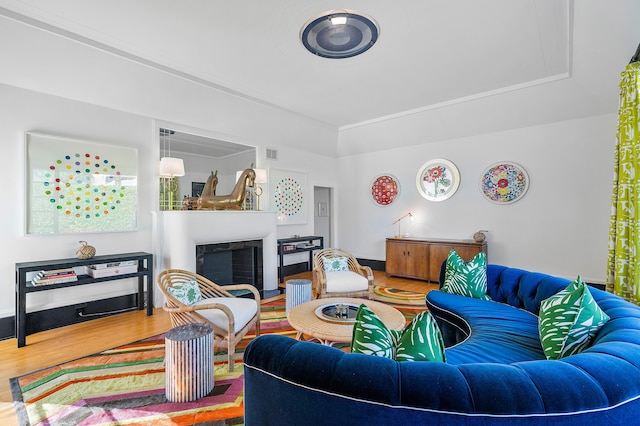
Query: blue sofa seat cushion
point(501, 333)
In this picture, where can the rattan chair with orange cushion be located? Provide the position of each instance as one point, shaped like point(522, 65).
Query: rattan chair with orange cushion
point(338, 273)
point(231, 317)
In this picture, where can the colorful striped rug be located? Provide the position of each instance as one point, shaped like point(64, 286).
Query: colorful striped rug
point(126, 385)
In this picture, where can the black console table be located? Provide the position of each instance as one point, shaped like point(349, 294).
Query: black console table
point(145, 270)
point(297, 245)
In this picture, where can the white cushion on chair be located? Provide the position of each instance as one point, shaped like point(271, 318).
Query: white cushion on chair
point(243, 310)
point(345, 282)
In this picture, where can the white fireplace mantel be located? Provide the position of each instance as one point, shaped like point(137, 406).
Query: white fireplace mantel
point(181, 230)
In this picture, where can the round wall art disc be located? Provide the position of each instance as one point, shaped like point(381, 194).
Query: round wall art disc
point(385, 189)
point(288, 196)
point(504, 183)
point(438, 179)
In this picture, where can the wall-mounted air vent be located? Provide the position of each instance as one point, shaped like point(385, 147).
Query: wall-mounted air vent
point(272, 154)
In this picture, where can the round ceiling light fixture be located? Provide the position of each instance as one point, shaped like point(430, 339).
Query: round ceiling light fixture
point(339, 34)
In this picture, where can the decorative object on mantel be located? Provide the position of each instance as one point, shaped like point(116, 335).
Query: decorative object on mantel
point(85, 251)
point(232, 201)
point(400, 220)
point(385, 189)
point(261, 177)
point(479, 236)
point(504, 182)
point(438, 179)
point(191, 203)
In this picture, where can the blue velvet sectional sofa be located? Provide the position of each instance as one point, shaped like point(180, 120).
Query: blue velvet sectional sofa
point(496, 372)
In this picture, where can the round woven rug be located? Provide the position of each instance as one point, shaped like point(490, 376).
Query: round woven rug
point(398, 297)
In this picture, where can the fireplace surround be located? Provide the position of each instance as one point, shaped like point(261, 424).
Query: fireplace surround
point(180, 231)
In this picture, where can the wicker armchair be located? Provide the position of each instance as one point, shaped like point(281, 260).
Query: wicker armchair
point(357, 281)
point(231, 317)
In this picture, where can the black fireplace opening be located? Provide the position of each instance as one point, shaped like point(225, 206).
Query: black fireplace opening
point(237, 262)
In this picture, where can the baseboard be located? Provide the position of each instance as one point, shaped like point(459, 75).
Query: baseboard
point(295, 268)
point(376, 265)
point(67, 315)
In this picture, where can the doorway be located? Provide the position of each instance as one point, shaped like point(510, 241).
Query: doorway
point(322, 223)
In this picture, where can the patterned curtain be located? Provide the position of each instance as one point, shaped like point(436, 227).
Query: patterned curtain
point(623, 263)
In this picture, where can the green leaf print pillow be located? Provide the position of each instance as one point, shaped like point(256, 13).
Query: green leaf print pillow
point(569, 320)
point(421, 340)
point(466, 278)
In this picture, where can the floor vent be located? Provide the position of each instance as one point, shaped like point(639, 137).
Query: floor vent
point(272, 154)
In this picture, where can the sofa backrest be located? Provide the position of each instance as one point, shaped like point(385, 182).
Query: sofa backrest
point(517, 287)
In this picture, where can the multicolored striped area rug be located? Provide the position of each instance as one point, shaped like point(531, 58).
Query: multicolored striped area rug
point(126, 385)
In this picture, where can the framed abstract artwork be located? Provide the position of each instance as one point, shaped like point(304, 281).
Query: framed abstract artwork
point(438, 180)
point(504, 182)
point(289, 198)
point(76, 186)
point(385, 189)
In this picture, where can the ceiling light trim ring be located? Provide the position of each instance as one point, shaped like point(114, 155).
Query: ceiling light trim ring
point(322, 37)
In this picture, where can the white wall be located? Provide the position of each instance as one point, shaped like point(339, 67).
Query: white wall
point(560, 226)
point(22, 111)
point(321, 171)
point(52, 85)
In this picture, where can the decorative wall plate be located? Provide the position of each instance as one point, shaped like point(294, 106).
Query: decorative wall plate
point(385, 189)
point(438, 179)
point(504, 182)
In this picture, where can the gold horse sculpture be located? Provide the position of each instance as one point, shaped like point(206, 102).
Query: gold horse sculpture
point(191, 203)
point(232, 201)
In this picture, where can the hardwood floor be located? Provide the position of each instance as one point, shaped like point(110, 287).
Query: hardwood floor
point(63, 344)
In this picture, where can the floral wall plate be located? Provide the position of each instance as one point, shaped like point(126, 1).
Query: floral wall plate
point(504, 183)
point(385, 189)
point(438, 179)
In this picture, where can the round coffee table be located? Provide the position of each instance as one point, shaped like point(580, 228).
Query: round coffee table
point(304, 319)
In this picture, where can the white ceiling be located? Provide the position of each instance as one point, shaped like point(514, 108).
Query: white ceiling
point(429, 53)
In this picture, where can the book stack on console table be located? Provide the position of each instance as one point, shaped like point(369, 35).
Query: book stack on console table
point(55, 276)
point(111, 269)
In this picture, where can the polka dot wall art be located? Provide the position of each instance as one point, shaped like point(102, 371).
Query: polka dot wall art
point(76, 186)
point(289, 197)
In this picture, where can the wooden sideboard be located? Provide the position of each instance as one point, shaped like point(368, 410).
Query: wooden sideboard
point(421, 258)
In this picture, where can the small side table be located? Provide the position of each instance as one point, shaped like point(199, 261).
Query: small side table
point(188, 362)
point(297, 292)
